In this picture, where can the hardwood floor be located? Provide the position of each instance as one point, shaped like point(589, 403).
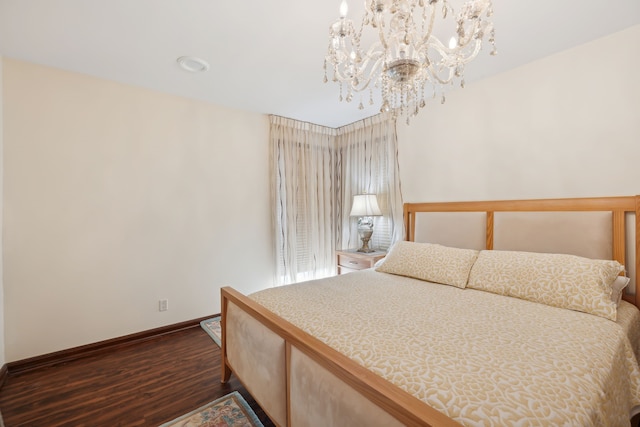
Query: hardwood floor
point(146, 384)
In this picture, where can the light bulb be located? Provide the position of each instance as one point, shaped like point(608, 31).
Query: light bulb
point(452, 43)
point(344, 8)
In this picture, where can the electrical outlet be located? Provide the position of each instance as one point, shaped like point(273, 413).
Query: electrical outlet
point(163, 305)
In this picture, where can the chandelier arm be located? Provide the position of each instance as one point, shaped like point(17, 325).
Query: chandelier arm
point(470, 35)
point(432, 17)
point(461, 59)
point(434, 75)
point(381, 35)
point(358, 36)
point(378, 57)
point(471, 13)
point(448, 53)
point(365, 77)
point(363, 87)
point(374, 51)
point(474, 53)
point(409, 24)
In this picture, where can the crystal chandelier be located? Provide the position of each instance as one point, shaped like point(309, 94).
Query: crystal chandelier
point(406, 62)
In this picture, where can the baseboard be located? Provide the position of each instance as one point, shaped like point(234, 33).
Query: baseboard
point(75, 353)
point(4, 371)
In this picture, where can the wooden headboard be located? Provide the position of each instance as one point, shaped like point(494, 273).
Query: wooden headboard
point(622, 210)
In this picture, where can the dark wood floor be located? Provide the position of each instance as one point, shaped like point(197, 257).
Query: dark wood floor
point(146, 384)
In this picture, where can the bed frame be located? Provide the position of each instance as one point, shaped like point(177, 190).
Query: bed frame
point(298, 380)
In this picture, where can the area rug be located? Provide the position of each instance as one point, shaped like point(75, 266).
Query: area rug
point(213, 328)
point(228, 411)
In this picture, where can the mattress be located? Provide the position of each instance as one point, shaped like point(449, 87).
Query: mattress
point(482, 359)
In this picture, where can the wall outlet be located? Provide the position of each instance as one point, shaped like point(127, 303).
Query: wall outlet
point(163, 305)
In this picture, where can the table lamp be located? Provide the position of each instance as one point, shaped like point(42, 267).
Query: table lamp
point(365, 206)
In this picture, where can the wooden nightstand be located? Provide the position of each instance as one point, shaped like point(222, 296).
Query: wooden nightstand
point(352, 260)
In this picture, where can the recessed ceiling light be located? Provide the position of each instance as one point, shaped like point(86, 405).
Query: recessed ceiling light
point(193, 64)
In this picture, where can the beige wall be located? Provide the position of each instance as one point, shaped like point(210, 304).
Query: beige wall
point(564, 126)
point(116, 197)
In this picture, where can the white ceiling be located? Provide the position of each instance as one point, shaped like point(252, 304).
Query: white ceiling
point(266, 55)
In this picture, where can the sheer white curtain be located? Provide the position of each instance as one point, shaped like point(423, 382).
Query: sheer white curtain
point(368, 163)
point(303, 162)
point(315, 173)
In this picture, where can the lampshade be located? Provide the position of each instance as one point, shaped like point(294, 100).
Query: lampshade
point(365, 205)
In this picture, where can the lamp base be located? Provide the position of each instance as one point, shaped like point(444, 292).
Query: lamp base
point(365, 235)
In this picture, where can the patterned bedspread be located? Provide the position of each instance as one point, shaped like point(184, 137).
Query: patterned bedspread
point(481, 358)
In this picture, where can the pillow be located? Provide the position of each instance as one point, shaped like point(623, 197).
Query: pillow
point(617, 289)
point(430, 262)
point(565, 281)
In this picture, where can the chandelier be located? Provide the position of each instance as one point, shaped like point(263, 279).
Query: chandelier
point(406, 61)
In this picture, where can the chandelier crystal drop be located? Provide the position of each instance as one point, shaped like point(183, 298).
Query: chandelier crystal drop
point(406, 60)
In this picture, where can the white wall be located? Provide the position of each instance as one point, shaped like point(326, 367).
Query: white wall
point(116, 197)
point(2, 351)
point(564, 126)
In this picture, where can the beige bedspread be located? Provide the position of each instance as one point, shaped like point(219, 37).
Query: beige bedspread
point(482, 359)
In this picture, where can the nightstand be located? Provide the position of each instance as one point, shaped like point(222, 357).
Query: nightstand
point(352, 260)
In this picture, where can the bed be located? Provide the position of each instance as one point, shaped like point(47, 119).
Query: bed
point(463, 341)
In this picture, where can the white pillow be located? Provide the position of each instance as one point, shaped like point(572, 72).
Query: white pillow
point(617, 289)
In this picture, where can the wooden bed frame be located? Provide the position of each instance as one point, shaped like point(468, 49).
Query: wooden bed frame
point(372, 389)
